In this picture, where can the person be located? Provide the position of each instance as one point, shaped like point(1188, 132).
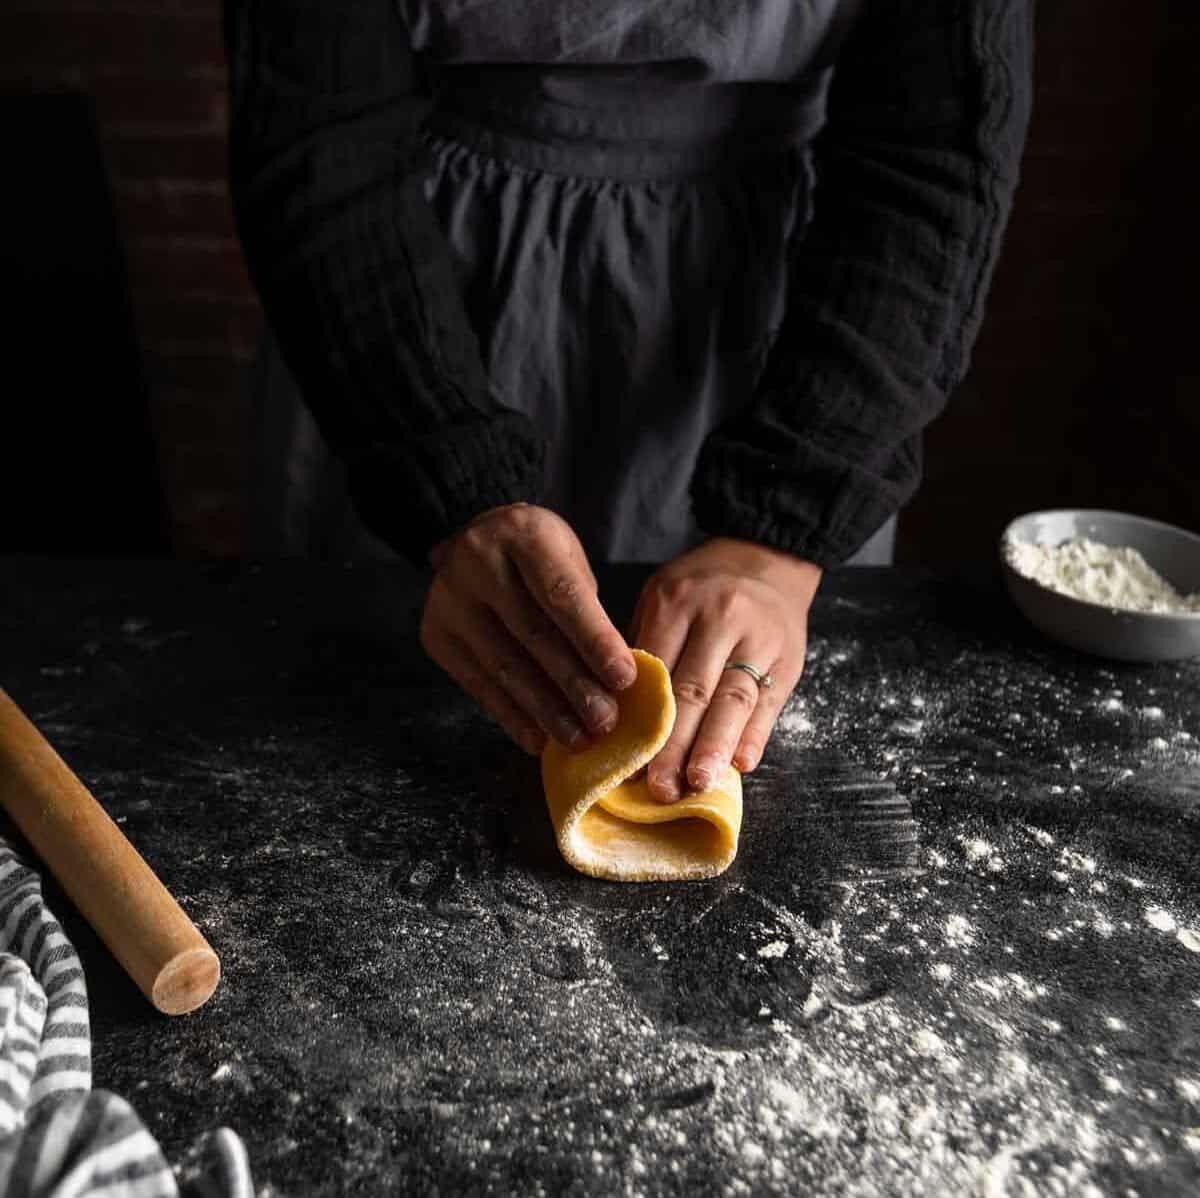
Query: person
point(676, 282)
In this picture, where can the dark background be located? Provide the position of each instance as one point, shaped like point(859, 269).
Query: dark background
point(132, 323)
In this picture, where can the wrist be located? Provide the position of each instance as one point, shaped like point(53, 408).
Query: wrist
point(437, 553)
point(770, 565)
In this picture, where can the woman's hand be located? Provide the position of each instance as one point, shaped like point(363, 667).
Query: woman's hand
point(513, 617)
point(726, 600)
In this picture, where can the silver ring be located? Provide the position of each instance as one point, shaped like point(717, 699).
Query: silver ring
point(765, 681)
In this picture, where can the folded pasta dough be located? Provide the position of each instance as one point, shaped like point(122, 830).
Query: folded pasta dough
point(604, 817)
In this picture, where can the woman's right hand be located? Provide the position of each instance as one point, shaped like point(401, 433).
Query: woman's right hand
point(513, 616)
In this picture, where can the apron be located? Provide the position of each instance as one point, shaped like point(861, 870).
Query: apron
point(620, 186)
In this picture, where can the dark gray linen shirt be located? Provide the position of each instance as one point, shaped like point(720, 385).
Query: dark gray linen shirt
point(915, 167)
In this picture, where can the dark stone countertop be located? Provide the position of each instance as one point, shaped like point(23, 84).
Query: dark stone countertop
point(999, 995)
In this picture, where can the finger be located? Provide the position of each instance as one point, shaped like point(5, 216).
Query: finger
point(738, 701)
point(541, 638)
point(753, 741)
point(662, 626)
point(635, 620)
point(563, 587)
point(510, 666)
point(456, 658)
point(694, 681)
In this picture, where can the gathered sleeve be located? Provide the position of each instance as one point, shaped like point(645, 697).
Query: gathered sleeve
point(356, 280)
point(916, 168)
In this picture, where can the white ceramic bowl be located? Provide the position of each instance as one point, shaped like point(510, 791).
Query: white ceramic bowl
point(1105, 631)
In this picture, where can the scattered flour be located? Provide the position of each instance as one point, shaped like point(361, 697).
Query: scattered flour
point(959, 931)
point(1108, 575)
point(1164, 921)
point(1189, 939)
point(788, 1100)
point(775, 949)
point(753, 1153)
point(1078, 861)
point(976, 848)
point(928, 1044)
point(795, 721)
point(981, 853)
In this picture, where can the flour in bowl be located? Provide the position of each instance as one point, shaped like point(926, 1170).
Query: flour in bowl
point(1110, 575)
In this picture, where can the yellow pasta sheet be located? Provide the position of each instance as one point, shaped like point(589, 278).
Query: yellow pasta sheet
point(605, 819)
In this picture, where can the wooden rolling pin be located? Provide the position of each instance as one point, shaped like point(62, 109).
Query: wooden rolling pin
point(104, 875)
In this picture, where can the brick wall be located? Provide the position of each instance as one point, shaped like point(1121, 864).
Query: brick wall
point(157, 75)
point(1080, 390)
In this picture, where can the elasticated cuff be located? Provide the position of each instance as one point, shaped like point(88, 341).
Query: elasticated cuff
point(415, 494)
point(821, 510)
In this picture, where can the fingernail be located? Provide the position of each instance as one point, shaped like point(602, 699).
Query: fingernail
point(703, 773)
point(600, 713)
point(664, 787)
point(620, 673)
point(570, 733)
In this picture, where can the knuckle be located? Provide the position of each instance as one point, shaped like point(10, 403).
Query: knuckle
point(473, 540)
point(524, 521)
point(691, 692)
point(651, 593)
point(672, 592)
point(564, 592)
point(729, 604)
point(602, 647)
point(738, 696)
point(506, 672)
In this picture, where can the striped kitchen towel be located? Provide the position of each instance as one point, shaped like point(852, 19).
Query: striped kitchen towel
point(58, 1136)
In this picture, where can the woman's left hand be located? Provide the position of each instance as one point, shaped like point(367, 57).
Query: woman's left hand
point(727, 600)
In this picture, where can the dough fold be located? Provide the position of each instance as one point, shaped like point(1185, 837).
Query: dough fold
point(604, 817)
